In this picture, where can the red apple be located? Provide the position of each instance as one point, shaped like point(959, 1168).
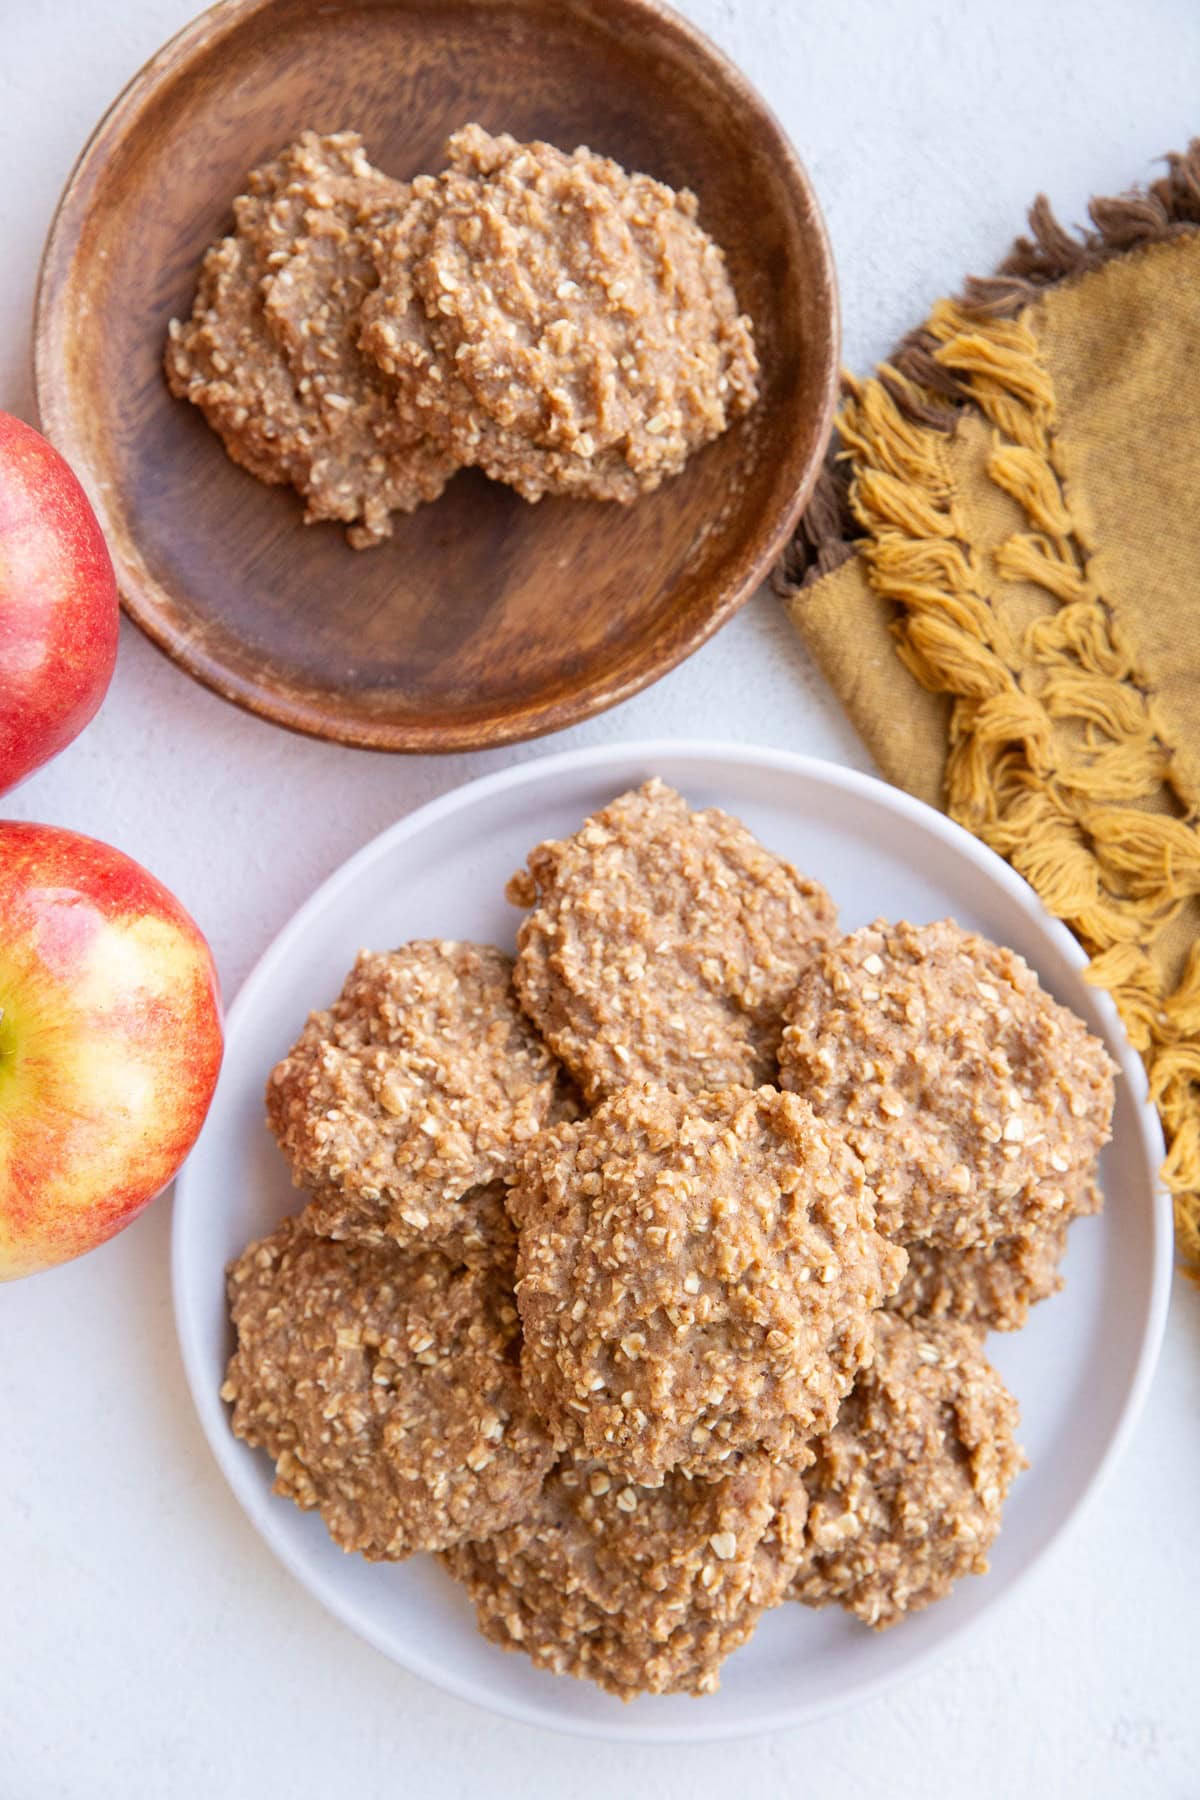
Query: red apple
point(58, 604)
point(110, 1042)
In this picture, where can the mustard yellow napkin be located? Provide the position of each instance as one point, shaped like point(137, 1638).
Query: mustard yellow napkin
point(1000, 577)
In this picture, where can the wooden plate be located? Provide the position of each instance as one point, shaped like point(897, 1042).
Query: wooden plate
point(485, 619)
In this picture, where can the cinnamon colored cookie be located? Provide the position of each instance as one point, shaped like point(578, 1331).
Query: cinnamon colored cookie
point(270, 353)
point(384, 1384)
point(661, 945)
point(907, 1489)
point(566, 326)
point(977, 1103)
point(642, 1590)
point(421, 1083)
point(696, 1277)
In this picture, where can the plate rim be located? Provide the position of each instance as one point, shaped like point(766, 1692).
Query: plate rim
point(226, 1450)
point(148, 602)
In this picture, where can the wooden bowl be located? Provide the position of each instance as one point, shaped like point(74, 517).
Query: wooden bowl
point(484, 620)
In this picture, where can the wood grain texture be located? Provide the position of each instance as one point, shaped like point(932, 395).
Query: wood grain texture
point(484, 620)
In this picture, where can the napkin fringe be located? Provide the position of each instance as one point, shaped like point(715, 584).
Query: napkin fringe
point(931, 394)
point(1050, 750)
point(1169, 208)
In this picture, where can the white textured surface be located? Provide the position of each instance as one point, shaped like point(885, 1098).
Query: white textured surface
point(149, 1646)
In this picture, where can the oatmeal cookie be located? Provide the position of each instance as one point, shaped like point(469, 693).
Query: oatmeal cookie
point(907, 1490)
point(270, 353)
point(641, 1590)
point(421, 1082)
point(662, 944)
point(977, 1104)
point(696, 1276)
point(990, 1288)
point(384, 1384)
point(473, 1228)
point(224, 359)
point(565, 326)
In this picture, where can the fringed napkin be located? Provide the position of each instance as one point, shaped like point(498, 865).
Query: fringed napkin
point(1000, 576)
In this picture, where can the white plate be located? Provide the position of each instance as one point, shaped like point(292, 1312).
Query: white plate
point(1080, 1369)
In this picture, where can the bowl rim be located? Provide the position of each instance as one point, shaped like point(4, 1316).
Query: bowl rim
point(228, 1452)
point(148, 602)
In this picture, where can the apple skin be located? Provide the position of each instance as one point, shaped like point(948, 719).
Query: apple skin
point(110, 1042)
point(58, 604)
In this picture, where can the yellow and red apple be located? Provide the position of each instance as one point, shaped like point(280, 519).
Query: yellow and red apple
point(58, 604)
point(110, 1042)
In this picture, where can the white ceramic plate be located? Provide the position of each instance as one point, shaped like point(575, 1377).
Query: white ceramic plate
point(1080, 1369)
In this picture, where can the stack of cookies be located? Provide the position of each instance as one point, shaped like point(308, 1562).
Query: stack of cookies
point(562, 325)
point(646, 1278)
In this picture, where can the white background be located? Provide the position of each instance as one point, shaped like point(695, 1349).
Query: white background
point(149, 1645)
